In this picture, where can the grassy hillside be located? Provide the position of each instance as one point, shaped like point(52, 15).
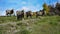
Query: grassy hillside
point(42, 25)
point(4, 19)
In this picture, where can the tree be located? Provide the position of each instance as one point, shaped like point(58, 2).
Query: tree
point(51, 10)
point(46, 8)
point(57, 8)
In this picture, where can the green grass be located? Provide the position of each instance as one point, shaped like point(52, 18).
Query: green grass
point(7, 19)
point(45, 25)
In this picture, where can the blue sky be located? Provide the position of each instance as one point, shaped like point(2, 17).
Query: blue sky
point(33, 5)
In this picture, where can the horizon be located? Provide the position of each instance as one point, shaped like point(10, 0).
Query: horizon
point(34, 5)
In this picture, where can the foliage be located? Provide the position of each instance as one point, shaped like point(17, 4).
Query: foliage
point(46, 8)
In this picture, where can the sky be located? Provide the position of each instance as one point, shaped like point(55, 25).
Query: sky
point(33, 5)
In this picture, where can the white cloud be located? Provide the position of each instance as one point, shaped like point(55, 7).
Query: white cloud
point(2, 13)
point(31, 7)
point(54, 4)
point(25, 8)
point(35, 8)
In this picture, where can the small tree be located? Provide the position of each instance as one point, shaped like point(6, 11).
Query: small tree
point(46, 8)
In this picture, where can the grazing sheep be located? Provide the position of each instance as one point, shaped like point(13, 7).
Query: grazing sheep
point(29, 14)
point(20, 14)
point(9, 12)
point(40, 13)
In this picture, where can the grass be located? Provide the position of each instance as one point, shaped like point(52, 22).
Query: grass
point(45, 25)
point(7, 19)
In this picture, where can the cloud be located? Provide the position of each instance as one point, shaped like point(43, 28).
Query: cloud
point(20, 5)
point(54, 4)
point(25, 8)
point(2, 13)
point(31, 7)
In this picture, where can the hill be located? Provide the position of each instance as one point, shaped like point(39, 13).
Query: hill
point(42, 25)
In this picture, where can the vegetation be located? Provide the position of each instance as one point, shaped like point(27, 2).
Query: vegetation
point(4, 19)
point(44, 25)
point(41, 25)
point(46, 8)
